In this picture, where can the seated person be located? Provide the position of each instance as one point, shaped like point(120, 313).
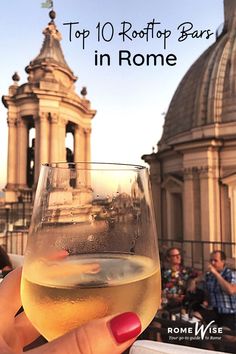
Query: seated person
point(196, 301)
point(194, 296)
point(220, 283)
point(174, 279)
point(5, 263)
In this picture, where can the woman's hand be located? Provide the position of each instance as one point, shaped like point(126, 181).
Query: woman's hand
point(103, 336)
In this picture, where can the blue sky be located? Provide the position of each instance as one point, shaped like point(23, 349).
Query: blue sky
point(130, 99)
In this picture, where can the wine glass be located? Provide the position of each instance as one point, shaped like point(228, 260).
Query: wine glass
point(92, 247)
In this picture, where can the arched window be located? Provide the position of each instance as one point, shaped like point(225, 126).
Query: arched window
point(70, 142)
point(31, 156)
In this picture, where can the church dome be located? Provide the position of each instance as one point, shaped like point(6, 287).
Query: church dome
point(206, 96)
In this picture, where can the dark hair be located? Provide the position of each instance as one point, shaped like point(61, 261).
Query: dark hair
point(4, 259)
point(222, 254)
point(171, 249)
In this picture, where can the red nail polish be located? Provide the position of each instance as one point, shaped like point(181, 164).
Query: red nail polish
point(125, 326)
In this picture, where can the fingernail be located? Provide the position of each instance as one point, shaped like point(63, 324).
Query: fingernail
point(125, 326)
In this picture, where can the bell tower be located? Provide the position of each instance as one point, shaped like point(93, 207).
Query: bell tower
point(40, 114)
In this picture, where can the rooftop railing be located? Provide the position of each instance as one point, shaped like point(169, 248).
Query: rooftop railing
point(196, 254)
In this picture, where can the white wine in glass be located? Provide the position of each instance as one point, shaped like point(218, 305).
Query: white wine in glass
point(92, 247)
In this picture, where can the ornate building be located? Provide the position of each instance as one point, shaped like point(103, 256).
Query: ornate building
point(194, 170)
point(48, 104)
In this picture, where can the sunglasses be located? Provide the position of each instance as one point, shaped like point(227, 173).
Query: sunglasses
point(175, 255)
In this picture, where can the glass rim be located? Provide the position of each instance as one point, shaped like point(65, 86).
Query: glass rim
point(92, 165)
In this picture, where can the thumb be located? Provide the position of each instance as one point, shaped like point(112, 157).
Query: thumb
point(103, 336)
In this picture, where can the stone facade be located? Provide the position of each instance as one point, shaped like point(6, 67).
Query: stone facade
point(193, 172)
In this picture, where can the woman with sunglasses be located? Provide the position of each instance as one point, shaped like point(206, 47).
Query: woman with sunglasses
point(174, 279)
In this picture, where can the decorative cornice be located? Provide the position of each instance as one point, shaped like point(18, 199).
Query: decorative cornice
point(11, 122)
point(201, 172)
point(43, 116)
point(54, 118)
point(20, 122)
point(87, 131)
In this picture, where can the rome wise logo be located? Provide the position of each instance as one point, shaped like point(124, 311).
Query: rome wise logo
point(198, 332)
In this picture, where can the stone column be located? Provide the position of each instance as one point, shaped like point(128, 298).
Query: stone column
point(11, 163)
point(210, 205)
point(191, 215)
point(230, 181)
point(62, 140)
point(155, 178)
point(54, 137)
point(174, 206)
point(206, 233)
point(226, 215)
point(210, 211)
point(36, 150)
point(82, 145)
point(41, 143)
point(170, 225)
point(232, 195)
point(22, 144)
point(80, 154)
point(188, 205)
point(77, 142)
point(43, 138)
point(87, 132)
